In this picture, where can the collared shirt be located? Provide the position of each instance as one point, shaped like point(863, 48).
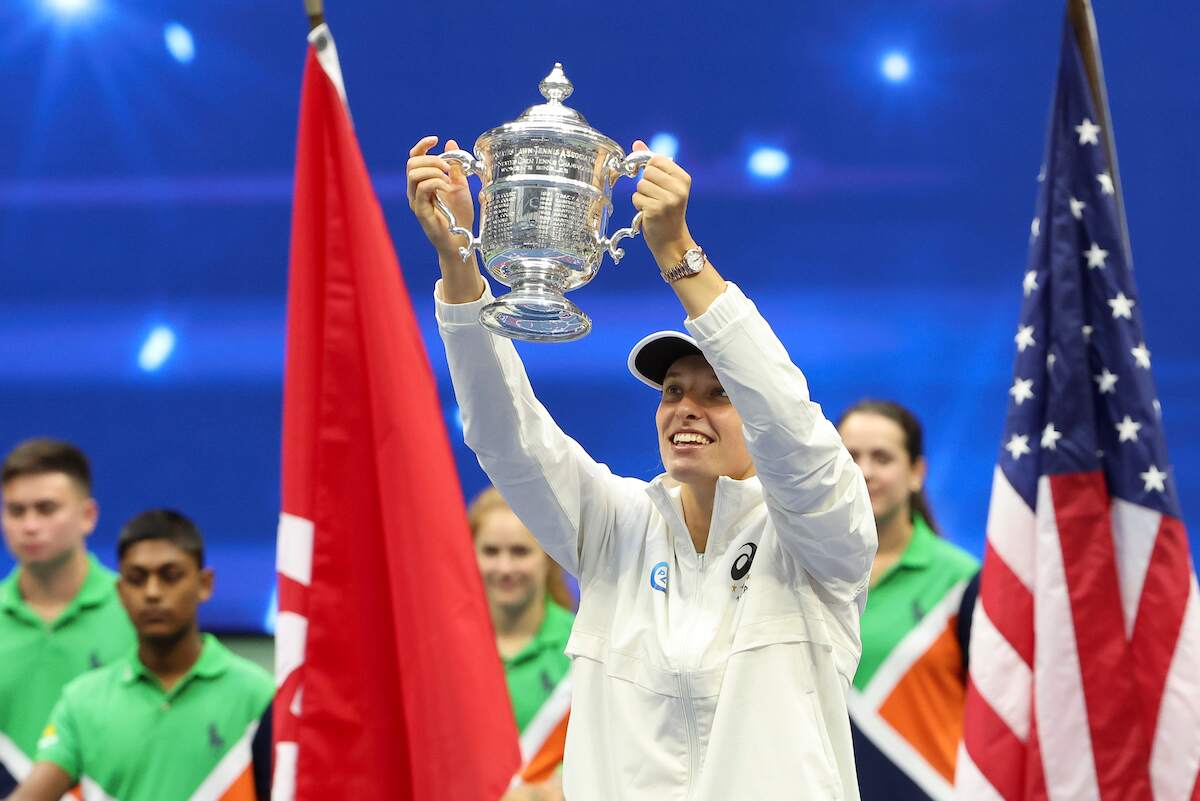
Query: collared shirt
point(122, 736)
point(536, 670)
point(910, 689)
point(38, 658)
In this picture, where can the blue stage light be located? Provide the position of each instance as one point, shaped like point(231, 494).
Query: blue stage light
point(271, 618)
point(895, 67)
point(664, 144)
point(768, 162)
point(179, 41)
point(69, 8)
point(157, 348)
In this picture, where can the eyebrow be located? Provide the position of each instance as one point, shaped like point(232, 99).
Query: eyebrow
point(673, 373)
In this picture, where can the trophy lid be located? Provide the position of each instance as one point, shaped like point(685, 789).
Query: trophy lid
point(556, 88)
point(553, 117)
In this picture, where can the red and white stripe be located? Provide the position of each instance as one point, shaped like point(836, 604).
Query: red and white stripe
point(1084, 651)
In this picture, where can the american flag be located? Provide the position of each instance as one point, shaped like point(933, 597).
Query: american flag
point(1085, 650)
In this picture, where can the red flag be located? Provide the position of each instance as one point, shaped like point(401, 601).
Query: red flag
point(1085, 643)
point(389, 681)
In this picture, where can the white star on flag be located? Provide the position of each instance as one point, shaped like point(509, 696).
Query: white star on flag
point(1024, 338)
point(1087, 332)
point(1154, 479)
point(1157, 408)
point(1077, 207)
point(1087, 132)
point(1107, 381)
point(1122, 306)
point(1031, 283)
point(1042, 174)
point(1095, 256)
point(1106, 183)
point(1035, 227)
point(1141, 355)
point(1127, 429)
point(1018, 446)
point(1050, 437)
point(1021, 390)
point(1050, 360)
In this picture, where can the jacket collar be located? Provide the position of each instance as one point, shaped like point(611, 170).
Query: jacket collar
point(734, 500)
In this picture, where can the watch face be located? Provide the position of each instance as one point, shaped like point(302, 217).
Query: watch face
point(694, 259)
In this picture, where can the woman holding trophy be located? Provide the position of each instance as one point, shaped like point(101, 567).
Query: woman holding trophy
point(718, 627)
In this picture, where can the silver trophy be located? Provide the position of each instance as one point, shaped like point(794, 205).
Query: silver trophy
point(543, 211)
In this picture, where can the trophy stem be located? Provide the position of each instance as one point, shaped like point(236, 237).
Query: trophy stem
point(536, 310)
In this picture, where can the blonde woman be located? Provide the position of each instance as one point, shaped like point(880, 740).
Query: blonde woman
point(530, 604)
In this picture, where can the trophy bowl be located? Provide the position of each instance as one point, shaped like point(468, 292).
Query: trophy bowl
point(544, 206)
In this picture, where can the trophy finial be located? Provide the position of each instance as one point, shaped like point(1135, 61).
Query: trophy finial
point(555, 87)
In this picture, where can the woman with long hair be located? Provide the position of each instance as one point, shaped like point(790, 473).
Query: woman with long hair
point(529, 603)
point(910, 689)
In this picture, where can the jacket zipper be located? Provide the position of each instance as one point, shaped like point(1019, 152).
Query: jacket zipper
point(685, 680)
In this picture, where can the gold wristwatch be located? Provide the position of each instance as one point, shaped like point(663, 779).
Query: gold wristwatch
point(691, 263)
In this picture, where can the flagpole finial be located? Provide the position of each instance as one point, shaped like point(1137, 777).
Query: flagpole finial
point(316, 12)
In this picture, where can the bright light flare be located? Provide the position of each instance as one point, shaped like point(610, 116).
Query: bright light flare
point(69, 8)
point(895, 67)
point(768, 162)
point(664, 144)
point(180, 43)
point(157, 348)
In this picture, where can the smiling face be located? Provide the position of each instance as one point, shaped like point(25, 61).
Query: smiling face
point(161, 586)
point(512, 564)
point(46, 517)
point(877, 445)
point(699, 432)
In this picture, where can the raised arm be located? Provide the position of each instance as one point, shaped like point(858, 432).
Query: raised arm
point(814, 491)
point(566, 499)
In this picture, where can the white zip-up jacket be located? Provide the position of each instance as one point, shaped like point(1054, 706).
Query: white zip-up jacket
point(719, 676)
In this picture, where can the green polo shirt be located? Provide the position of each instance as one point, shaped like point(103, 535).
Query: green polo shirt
point(929, 568)
point(37, 658)
point(534, 672)
point(120, 729)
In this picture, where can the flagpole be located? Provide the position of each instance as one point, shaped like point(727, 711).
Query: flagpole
point(1083, 23)
point(316, 13)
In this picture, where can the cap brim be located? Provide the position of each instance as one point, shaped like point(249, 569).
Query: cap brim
point(654, 354)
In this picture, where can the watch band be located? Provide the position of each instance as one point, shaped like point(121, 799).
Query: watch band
point(691, 264)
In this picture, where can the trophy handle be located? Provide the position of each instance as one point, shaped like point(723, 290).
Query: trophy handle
point(629, 167)
point(471, 166)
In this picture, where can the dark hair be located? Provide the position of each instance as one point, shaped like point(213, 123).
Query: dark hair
point(162, 524)
point(44, 455)
point(914, 443)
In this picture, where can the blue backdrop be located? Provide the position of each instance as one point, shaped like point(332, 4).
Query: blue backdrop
point(145, 188)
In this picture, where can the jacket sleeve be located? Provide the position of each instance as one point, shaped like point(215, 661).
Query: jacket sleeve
point(814, 492)
point(566, 499)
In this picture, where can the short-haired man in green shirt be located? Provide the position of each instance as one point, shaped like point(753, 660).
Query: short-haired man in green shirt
point(59, 612)
point(182, 717)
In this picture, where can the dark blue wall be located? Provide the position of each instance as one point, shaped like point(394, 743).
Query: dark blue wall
point(137, 191)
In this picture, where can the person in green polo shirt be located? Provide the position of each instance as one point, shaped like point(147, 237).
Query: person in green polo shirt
point(59, 613)
point(529, 603)
point(909, 693)
point(178, 718)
